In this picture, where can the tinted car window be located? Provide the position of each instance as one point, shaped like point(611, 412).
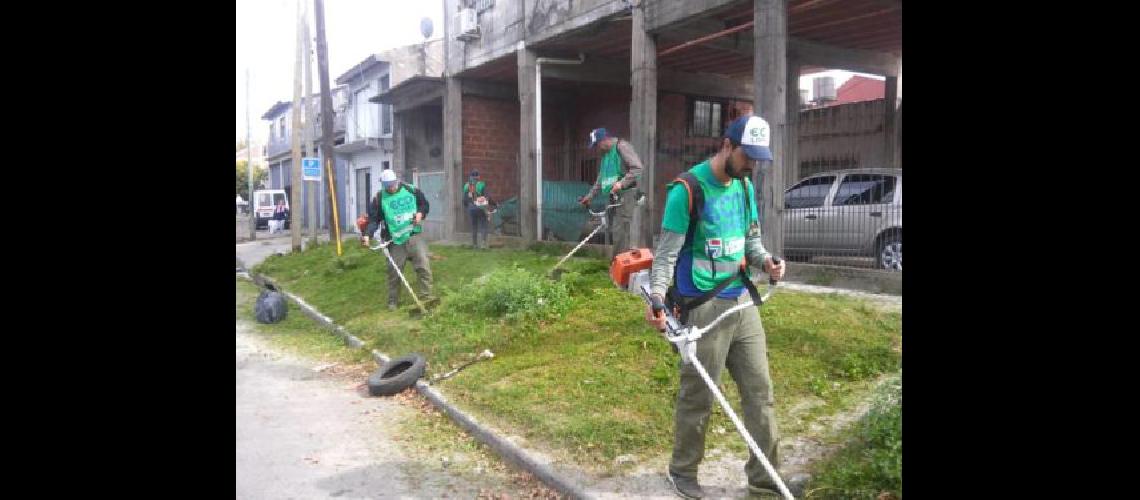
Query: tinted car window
point(865, 189)
point(809, 193)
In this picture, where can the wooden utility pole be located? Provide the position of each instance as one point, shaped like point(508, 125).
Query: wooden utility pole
point(249, 164)
point(329, 160)
point(312, 187)
point(297, 200)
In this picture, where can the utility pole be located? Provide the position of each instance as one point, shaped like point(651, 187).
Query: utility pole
point(297, 190)
point(249, 164)
point(310, 130)
point(327, 121)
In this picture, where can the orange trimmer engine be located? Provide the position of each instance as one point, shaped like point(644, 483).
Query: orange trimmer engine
point(628, 263)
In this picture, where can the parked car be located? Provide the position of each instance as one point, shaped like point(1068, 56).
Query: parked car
point(855, 212)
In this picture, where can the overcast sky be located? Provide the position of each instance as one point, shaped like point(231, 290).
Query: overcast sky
point(266, 44)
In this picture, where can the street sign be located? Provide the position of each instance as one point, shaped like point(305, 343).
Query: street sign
point(311, 169)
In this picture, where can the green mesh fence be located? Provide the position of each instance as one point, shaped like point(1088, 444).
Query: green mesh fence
point(562, 217)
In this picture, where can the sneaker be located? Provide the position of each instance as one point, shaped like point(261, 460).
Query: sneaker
point(392, 306)
point(685, 487)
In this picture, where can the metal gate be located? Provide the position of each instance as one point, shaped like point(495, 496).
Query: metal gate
point(435, 190)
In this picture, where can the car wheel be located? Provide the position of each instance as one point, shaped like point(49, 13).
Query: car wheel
point(890, 253)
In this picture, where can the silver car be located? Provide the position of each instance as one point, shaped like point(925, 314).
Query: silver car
point(854, 212)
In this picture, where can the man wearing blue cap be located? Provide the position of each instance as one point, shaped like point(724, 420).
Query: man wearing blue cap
point(477, 201)
point(620, 169)
point(710, 235)
point(401, 208)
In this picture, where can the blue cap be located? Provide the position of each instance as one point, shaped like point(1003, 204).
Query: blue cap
point(596, 136)
point(753, 134)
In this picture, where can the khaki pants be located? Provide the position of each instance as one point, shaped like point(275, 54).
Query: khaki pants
point(416, 249)
point(739, 344)
point(620, 219)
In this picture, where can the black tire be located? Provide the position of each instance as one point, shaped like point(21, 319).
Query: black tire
point(396, 375)
point(888, 253)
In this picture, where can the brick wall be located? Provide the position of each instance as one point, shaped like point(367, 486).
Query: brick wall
point(491, 143)
point(676, 150)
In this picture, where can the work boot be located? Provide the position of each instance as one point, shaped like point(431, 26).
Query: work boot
point(392, 306)
point(685, 487)
point(772, 492)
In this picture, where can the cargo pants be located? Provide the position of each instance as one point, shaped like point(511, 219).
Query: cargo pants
point(416, 249)
point(739, 344)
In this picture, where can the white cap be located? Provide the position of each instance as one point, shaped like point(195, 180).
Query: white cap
point(387, 175)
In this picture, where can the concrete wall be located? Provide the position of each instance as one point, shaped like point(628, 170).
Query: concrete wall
point(500, 27)
point(842, 136)
point(423, 139)
point(405, 62)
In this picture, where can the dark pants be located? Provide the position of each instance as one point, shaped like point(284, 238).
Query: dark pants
point(479, 224)
point(416, 250)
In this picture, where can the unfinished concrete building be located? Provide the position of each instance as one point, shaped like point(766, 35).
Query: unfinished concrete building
point(525, 80)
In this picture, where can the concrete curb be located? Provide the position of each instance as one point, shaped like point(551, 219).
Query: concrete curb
point(506, 449)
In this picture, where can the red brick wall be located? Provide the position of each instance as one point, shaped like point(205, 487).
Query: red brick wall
point(491, 143)
point(676, 150)
point(491, 131)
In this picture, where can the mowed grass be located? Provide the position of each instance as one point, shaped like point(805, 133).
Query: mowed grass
point(580, 370)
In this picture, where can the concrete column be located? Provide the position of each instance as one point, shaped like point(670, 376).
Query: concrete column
point(399, 157)
point(643, 127)
point(770, 80)
point(792, 144)
point(892, 121)
point(452, 151)
point(528, 196)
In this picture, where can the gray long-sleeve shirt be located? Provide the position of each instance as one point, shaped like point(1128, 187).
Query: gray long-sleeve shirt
point(670, 244)
point(630, 163)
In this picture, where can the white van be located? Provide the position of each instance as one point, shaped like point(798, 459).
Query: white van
point(264, 201)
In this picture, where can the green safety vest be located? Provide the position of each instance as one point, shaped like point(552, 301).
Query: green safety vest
point(478, 188)
point(399, 213)
point(718, 239)
point(610, 172)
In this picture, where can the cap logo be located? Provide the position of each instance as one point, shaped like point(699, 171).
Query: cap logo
point(755, 132)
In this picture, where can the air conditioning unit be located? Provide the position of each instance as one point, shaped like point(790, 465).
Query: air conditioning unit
point(468, 23)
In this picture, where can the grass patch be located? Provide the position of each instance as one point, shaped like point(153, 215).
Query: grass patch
point(871, 465)
point(297, 333)
point(821, 277)
point(583, 371)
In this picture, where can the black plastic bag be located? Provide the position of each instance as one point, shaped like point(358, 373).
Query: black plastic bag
point(270, 307)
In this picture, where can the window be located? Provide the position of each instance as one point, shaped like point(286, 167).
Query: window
point(272, 131)
point(263, 200)
point(277, 198)
point(705, 118)
point(809, 193)
point(281, 128)
point(865, 189)
point(362, 119)
point(385, 109)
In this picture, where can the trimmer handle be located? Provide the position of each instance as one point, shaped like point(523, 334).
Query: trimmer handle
point(775, 262)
